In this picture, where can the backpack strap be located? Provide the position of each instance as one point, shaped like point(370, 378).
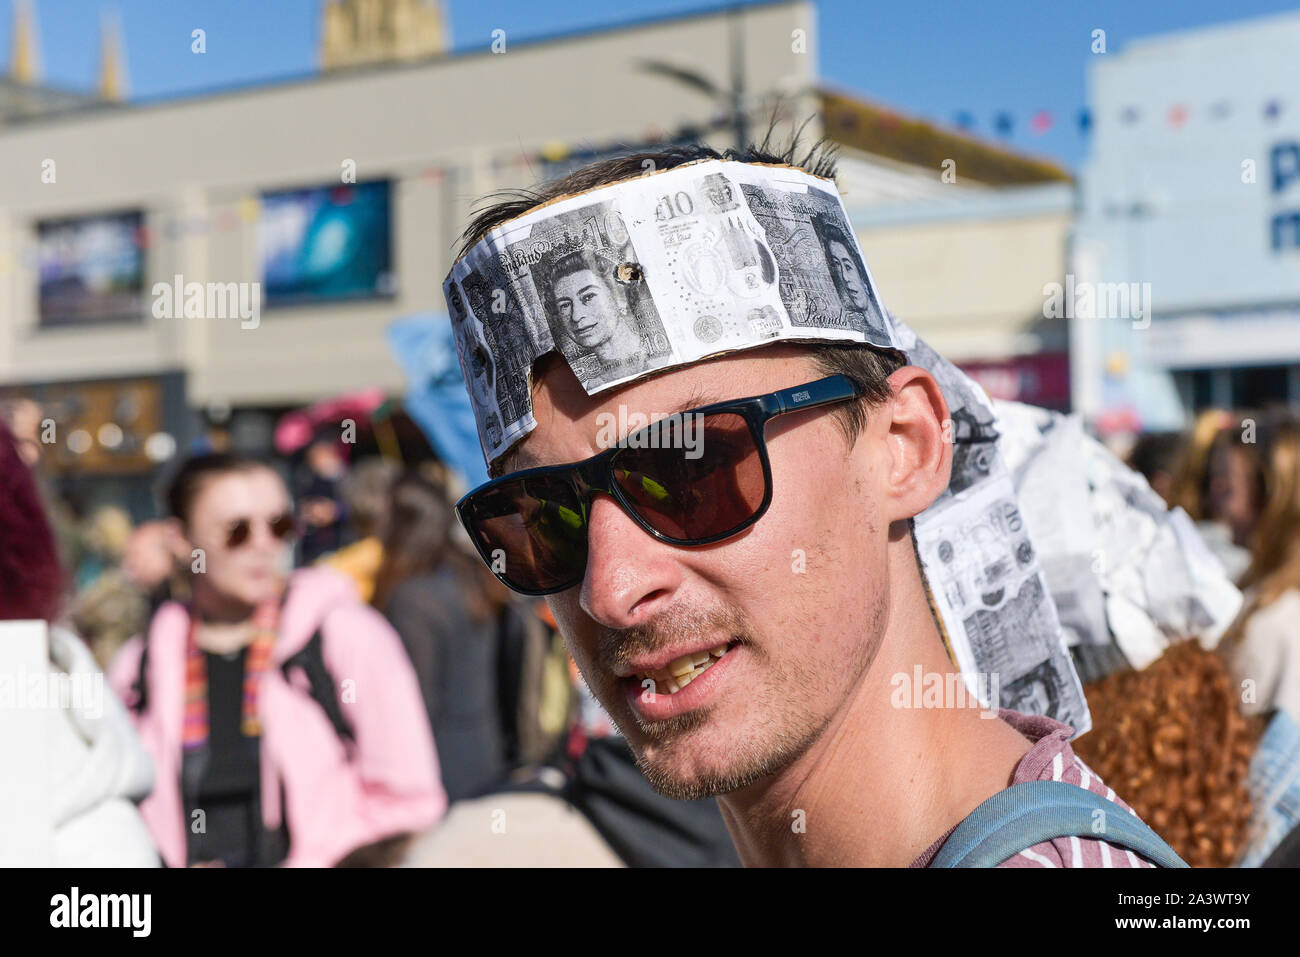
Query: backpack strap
point(1026, 814)
point(141, 685)
point(310, 658)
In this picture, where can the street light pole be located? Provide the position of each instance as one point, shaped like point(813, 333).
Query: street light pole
point(739, 119)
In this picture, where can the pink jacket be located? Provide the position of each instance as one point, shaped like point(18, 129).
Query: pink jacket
point(333, 805)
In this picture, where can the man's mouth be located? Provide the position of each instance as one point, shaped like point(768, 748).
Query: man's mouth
point(677, 674)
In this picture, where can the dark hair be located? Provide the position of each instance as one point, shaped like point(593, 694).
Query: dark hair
point(506, 205)
point(31, 578)
point(1156, 452)
point(366, 490)
point(417, 541)
point(196, 471)
point(868, 366)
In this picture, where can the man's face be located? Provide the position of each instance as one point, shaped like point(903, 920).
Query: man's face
point(798, 599)
point(586, 308)
point(842, 261)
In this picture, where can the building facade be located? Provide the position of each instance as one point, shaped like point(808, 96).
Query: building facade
point(241, 253)
point(967, 269)
point(1189, 227)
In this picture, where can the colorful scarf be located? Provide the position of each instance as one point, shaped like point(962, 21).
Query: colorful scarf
point(194, 730)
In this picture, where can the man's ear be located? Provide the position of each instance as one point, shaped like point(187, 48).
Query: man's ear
point(919, 439)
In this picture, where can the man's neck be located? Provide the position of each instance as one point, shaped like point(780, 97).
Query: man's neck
point(881, 783)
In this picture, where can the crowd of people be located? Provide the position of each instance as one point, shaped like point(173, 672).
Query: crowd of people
point(313, 679)
point(1203, 742)
point(341, 682)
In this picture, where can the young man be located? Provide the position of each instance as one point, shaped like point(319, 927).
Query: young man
point(759, 666)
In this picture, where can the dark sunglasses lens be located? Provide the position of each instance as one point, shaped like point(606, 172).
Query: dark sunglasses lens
point(239, 533)
point(532, 532)
point(703, 481)
point(283, 527)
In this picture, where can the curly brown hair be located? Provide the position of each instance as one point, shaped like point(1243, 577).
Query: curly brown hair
point(1172, 741)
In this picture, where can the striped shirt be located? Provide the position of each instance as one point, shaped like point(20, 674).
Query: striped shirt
point(1052, 759)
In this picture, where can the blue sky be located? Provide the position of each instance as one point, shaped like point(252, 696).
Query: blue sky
point(933, 59)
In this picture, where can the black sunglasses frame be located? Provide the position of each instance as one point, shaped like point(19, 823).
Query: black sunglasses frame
point(596, 473)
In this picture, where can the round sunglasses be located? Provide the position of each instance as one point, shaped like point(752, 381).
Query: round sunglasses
point(240, 531)
point(692, 478)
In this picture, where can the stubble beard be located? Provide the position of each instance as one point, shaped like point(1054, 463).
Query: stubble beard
point(781, 727)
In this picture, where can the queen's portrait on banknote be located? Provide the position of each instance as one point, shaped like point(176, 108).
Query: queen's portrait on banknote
point(598, 322)
point(846, 270)
point(823, 280)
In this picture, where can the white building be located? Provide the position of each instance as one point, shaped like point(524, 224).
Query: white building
point(1192, 193)
point(341, 196)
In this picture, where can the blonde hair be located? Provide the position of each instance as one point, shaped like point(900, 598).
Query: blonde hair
point(1191, 477)
point(1275, 547)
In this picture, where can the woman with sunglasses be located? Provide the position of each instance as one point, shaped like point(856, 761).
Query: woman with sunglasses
point(281, 712)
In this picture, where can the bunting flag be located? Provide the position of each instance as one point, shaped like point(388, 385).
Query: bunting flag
point(1041, 121)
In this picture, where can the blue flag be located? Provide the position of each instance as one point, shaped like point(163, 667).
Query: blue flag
point(436, 398)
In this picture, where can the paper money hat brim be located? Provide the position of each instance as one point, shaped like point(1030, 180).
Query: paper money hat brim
point(655, 273)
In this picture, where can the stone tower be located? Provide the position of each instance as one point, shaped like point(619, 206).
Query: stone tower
point(359, 32)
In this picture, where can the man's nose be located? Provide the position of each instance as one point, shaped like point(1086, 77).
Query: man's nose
point(631, 576)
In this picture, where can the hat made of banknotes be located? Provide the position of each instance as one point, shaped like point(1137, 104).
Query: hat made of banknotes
point(716, 256)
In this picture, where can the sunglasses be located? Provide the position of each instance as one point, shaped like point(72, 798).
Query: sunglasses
point(240, 531)
point(530, 527)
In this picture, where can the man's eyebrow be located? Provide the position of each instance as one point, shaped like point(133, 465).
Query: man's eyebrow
point(698, 398)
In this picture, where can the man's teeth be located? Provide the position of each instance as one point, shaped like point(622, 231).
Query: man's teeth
point(682, 671)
